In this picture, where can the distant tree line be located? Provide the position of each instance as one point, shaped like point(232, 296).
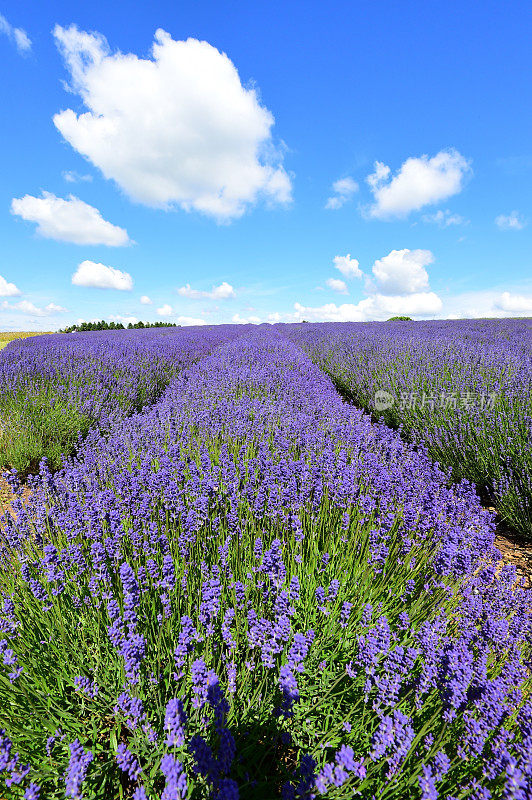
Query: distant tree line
point(115, 326)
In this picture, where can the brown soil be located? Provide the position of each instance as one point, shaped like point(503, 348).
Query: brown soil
point(6, 497)
point(515, 549)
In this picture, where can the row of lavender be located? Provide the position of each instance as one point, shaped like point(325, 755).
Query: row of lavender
point(249, 590)
point(54, 388)
point(462, 388)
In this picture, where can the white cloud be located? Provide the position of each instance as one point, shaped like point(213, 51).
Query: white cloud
point(221, 292)
point(69, 220)
point(53, 308)
point(125, 320)
point(514, 303)
point(175, 130)
point(99, 276)
point(74, 177)
point(343, 190)
point(419, 182)
point(375, 307)
point(190, 321)
point(511, 222)
point(26, 307)
point(337, 285)
point(165, 311)
point(400, 285)
point(17, 35)
point(402, 272)
point(348, 266)
point(145, 300)
point(8, 289)
point(444, 218)
point(245, 320)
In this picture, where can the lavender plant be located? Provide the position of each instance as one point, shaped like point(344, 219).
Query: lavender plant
point(250, 590)
point(462, 389)
point(56, 387)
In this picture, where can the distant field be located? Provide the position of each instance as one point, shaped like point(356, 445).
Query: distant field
point(8, 336)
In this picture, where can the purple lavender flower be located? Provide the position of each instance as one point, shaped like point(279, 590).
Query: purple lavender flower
point(77, 769)
point(127, 762)
point(226, 789)
point(131, 709)
point(176, 780)
point(205, 762)
point(394, 737)
point(5, 750)
point(427, 784)
point(344, 614)
point(131, 592)
point(185, 642)
point(88, 687)
point(174, 722)
point(289, 689)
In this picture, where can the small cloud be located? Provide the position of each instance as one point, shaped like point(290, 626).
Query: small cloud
point(343, 190)
point(419, 182)
point(125, 320)
point(511, 222)
point(145, 300)
point(348, 266)
point(221, 292)
point(190, 321)
point(444, 218)
point(53, 308)
point(26, 307)
point(73, 177)
point(69, 220)
point(165, 311)
point(245, 320)
point(18, 36)
point(99, 276)
point(337, 285)
point(8, 289)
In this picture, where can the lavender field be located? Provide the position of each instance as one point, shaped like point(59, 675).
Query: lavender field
point(228, 580)
point(463, 390)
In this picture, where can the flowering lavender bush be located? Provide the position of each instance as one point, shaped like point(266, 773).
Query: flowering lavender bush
point(248, 590)
point(463, 389)
point(56, 387)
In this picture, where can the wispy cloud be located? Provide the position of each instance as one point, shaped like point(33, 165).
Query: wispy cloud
point(343, 191)
point(18, 36)
point(510, 222)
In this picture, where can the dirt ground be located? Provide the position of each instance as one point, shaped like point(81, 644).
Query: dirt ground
point(515, 549)
point(6, 496)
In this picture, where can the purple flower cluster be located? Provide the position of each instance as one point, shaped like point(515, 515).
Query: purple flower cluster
point(460, 389)
point(78, 766)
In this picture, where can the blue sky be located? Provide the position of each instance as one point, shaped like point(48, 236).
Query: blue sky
point(139, 161)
